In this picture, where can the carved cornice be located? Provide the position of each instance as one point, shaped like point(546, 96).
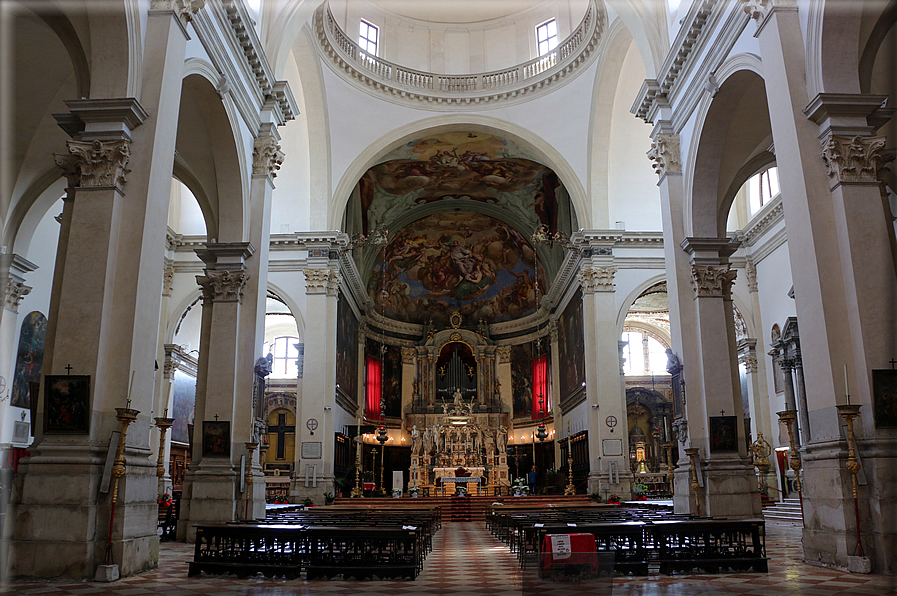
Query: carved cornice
point(322, 281)
point(712, 280)
point(664, 154)
point(504, 353)
point(176, 358)
point(597, 279)
point(854, 159)
point(772, 213)
point(222, 285)
point(15, 293)
point(266, 156)
point(100, 164)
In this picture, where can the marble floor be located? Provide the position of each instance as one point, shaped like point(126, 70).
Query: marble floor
point(466, 559)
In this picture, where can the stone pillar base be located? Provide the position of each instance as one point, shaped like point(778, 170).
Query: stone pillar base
point(299, 492)
point(211, 496)
point(730, 488)
point(601, 483)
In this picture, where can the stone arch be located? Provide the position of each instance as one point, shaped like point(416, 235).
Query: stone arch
point(872, 49)
point(733, 128)
point(210, 160)
point(191, 300)
point(631, 297)
point(292, 305)
point(646, 23)
point(545, 153)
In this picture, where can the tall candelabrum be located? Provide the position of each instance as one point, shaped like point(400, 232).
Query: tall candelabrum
point(571, 489)
point(357, 493)
point(668, 447)
point(126, 416)
point(251, 446)
point(849, 413)
point(788, 417)
point(163, 424)
point(692, 453)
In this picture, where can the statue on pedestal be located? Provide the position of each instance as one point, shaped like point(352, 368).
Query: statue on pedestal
point(415, 440)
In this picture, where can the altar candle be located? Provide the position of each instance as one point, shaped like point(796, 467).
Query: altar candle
point(846, 388)
point(130, 387)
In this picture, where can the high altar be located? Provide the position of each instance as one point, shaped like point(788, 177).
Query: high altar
point(451, 431)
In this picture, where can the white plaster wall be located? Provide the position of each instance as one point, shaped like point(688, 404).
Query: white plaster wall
point(773, 283)
point(633, 195)
point(184, 215)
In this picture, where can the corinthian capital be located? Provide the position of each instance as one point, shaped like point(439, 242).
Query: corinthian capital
point(322, 281)
point(597, 279)
point(184, 9)
point(712, 280)
point(504, 353)
point(15, 292)
point(266, 157)
point(223, 286)
point(99, 163)
point(664, 154)
point(856, 159)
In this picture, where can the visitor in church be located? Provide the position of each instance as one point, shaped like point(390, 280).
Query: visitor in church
point(531, 479)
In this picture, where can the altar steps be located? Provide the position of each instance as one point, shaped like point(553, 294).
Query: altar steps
point(461, 509)
point(786, 513)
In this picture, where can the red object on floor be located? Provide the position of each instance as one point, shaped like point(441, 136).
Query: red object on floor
point(369, 486)
point(582, 554)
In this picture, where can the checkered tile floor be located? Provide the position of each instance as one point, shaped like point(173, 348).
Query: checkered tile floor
point(467, 560)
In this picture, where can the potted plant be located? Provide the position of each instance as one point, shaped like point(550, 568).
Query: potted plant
point(414, 491)
point(520, 487)
point(613, 499)
point(596, 497)
point(461, 491)
point(640, 490)
point(396, 493)
point(165, 501)
point(329, 498)
point(308, 502)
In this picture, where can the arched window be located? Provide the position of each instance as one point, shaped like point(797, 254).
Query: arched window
point(762, 188)
point(286, 356)
point(644, 354)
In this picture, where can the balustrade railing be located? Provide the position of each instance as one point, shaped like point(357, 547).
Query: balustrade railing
point(461, 84)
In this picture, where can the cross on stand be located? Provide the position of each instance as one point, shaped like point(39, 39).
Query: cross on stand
point(282, 428)
point(68, 369)
point(216, 417)
point(892, 362)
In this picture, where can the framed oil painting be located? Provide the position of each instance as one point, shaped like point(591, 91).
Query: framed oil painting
point(884, 396)
point(723, 434)
point(67, 404)
point(216, 438)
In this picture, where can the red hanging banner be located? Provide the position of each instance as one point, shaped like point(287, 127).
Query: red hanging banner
point(373, 387)
point(541, 388)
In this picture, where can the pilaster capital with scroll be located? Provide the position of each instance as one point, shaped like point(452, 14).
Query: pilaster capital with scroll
point(504, 353)
point(184, 9)
point(597, 279)
point(664, 154)
point(15, 292)
point(99, 163)
point(750, 272)
point(749, 360)
point(712, 281)
point(322, 281)
point(854, 159)
point(167, 281)
point(266, 156)
point(408, 354)
point(222, 285)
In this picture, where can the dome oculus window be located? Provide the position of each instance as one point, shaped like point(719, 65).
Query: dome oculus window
point(547, 36)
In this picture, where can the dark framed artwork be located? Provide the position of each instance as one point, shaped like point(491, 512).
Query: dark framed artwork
point(884, 396)
point(571, 348)
point(346, 351)
point(723, 434)
point(216, 438)
point(67, 404)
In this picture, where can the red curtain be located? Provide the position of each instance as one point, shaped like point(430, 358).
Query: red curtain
point(541, 387)
point(373, 387)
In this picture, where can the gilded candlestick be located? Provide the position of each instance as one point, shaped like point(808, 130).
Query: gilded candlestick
point(571, 489)
point(126, 416)
point(692, 453)
point(849, 413)
point(163, 424)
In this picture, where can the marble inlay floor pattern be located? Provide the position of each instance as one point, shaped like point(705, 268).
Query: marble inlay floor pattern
point(466, 559)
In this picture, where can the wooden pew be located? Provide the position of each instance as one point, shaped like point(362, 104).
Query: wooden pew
point(249, 549)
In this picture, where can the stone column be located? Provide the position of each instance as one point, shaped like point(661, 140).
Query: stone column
point(211, 486)
point(409, 388)
point(668, 166)
point(266, 160)
point(604, 383)
point(841, 266)
point(730, 487)
point(504, 379)
point(322, 287)
point(762, 418)
point(555, 380)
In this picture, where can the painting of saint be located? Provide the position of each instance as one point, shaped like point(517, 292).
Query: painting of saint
point(29, 359)
point(570, 345)
point(67, 408)
point(522, 379)
point(216, 438)
point(346, 350)
point(462, 261)
point(183, 402)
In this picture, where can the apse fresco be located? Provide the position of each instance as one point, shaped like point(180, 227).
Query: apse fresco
point(465, 166)
point(461, 261)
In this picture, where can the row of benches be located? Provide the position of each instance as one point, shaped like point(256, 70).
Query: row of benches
point(358, 544)
point(639, 538)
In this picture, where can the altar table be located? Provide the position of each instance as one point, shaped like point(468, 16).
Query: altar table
point(462, 480)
